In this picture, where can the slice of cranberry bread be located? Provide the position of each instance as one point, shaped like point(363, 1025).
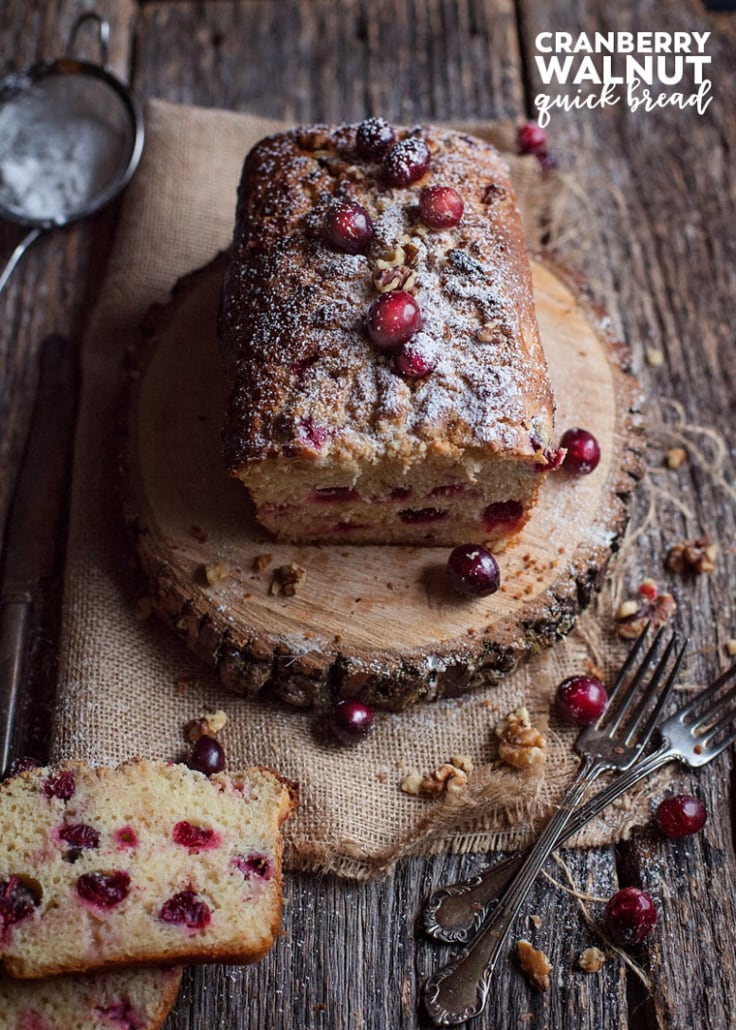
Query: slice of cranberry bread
point(123, 1000)
point(387, 383)
point(147, 864)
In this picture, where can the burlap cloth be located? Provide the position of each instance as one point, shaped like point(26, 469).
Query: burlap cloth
point(128, 686)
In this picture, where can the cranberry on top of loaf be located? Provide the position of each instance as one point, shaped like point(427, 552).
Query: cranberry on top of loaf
point(387, 381)
point(128, 999)
point(149, 863)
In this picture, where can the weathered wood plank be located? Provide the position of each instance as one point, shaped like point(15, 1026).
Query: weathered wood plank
point(53, 287)
point(662, 189)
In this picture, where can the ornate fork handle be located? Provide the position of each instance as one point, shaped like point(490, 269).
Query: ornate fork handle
point(459, 990)
point(455, 912)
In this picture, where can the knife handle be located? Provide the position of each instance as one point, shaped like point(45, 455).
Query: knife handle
point(15, 621)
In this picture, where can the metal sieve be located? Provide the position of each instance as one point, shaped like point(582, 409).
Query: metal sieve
point(71, 137)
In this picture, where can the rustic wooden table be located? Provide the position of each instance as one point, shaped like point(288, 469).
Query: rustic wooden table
point(661, 190)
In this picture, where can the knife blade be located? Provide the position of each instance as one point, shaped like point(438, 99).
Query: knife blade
point(31, 540)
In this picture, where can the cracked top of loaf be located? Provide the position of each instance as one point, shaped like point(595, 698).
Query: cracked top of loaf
point(306, 381)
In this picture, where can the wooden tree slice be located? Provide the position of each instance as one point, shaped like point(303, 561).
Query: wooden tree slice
point(374, 622)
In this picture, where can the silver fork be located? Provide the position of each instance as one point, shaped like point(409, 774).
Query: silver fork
point(694, 735)
point(460, 989)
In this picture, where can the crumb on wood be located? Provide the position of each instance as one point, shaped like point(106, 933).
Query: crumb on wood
point(261, 562)
point(693, 556)
point(287, 579)
point(591, 960)
point(217, 573)
point(654, 357)
point(535, 964)
point(675, 457)
point(535, 920)
point(649, 606)
point(730, 647)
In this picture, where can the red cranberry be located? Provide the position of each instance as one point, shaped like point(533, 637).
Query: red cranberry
point(441, 207)
point(61, 786)
point(348, 226)
point(196, 838)
point(630, 915)
point(581, 700)
point(531, 138)
point(125, 837)
point(373, 138)
point(17, 901)
point(207, 756)
point(185, 908)
point(416, 516)
point(473, 570)
point(501, 513)
point(406, 161)
point(80, 835)
point(254, 867)
point(583, 452)
point(393, 319)
point(680, 816)
point(104, 890)
point(414, 361)
point(352, 720)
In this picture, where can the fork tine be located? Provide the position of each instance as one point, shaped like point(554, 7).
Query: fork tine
point(714, 710)
point(628, 663)
point(611, 722)
point(715, 750)
point(724, 719)
point(709, 692)
point(654, 715)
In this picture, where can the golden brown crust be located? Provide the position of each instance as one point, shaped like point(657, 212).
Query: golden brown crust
point(301, 367)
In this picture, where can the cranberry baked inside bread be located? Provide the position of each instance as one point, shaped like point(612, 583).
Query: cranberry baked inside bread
point(387, 381)
point(137, 999)
point(147, 864)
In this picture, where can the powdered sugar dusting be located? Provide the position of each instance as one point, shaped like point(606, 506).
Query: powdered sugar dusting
point(293, 302)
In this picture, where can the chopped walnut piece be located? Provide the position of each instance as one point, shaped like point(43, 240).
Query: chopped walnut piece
point(411, 250)
point(464, 762)
point(411, 783)
point(261, 562)
point(400, 277)
point(591, 960)
point(521, 745)
point(535, 965)
point(217, 572)
point(649, 605)
point(446, 779)
point(698, 555)
point(675, 457)
point(392, 258)
point(287, 579)
point(208, 725)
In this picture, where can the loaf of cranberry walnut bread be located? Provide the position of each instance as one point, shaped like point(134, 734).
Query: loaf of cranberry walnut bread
point(147, 864)
point(387, 383)
point(124, 1000)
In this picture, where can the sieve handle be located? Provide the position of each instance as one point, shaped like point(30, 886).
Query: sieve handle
point(103, 32)
point(17, 254)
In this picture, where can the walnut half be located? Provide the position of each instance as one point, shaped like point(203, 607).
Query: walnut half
point(521, 745)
